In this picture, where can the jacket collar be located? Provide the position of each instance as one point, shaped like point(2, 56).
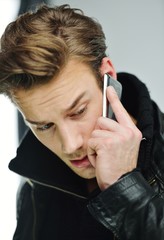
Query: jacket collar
point(137, 101)
point(36, 162)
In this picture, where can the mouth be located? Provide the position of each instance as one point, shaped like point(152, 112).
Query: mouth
point(81, 163)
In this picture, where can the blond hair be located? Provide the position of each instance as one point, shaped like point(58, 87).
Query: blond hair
point(36, 46)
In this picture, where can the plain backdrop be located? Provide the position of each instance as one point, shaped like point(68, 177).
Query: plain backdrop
point(134, 35)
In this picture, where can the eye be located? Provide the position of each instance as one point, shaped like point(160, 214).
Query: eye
point(45, 127)
point(79, 113)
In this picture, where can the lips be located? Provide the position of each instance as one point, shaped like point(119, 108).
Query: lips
point(80, 163)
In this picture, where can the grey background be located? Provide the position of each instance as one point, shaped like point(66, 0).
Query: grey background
point(135, 37)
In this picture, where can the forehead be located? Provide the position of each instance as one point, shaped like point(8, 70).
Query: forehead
point(75, 78)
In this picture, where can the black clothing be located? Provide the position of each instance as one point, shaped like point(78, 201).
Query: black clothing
point(54, 202)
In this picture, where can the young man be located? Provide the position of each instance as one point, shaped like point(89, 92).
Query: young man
point(88, 177)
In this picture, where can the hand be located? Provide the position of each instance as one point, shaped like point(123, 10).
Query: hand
point(113, 147)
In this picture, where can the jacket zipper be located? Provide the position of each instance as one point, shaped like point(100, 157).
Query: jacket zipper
point(57, 188)
point(34, 209)
point(30, 181)
point(34, 212)
point(152, 180)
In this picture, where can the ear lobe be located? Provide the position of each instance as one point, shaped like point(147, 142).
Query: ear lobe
point(107, 67)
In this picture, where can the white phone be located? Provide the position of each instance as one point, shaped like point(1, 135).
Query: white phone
point(109, 81)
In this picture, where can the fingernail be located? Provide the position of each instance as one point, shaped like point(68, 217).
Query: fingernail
point(112, 89)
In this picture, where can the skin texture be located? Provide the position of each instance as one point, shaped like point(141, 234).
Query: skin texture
point(65, 115)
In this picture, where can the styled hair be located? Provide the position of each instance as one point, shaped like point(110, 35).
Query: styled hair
point(37, 45)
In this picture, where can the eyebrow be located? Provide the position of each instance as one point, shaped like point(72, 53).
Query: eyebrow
point(75, 102)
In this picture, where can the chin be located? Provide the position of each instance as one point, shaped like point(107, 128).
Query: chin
point(88, 173)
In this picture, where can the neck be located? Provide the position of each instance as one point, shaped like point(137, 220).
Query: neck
point(91, 184)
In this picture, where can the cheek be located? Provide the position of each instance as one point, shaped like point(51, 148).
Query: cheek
point(92, 122)
point(53, 145)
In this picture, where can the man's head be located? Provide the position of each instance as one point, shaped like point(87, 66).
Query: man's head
point(51, 66)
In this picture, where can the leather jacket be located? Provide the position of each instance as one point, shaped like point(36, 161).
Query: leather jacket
point(54, 202)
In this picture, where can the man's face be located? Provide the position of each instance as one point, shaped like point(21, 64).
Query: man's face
point(63, 113)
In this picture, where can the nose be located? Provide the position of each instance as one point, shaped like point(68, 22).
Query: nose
point(71, 139)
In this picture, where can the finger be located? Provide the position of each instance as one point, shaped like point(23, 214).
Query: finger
point(102, 134)
point(91, 153)
point(108, 127)
point(120, 112)
point(108, 124)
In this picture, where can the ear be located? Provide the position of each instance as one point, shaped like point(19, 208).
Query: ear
point(107, 67)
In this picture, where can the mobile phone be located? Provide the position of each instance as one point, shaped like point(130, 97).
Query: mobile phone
point(109, 81)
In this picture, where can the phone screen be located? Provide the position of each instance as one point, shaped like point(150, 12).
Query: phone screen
point(109, 81)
